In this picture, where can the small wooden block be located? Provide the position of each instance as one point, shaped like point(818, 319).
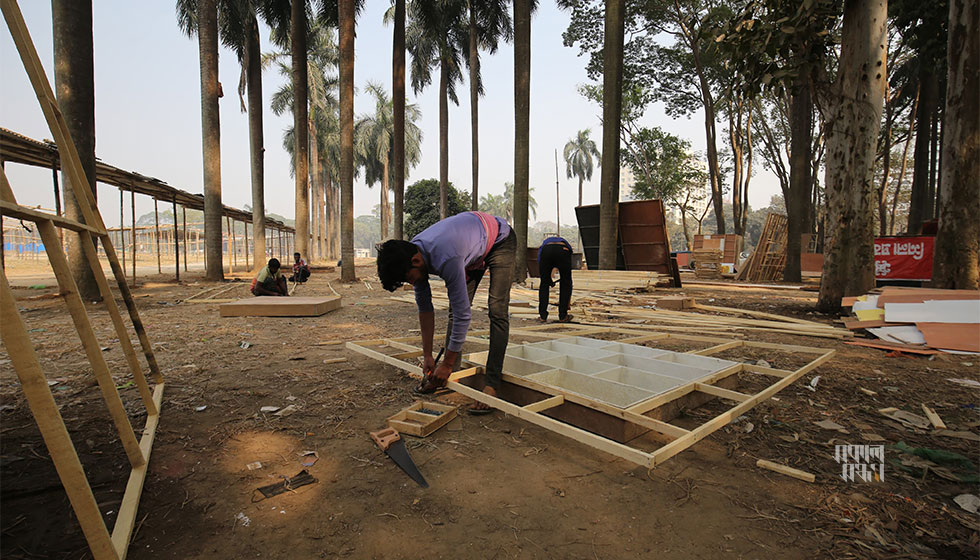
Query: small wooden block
point(677, 303)
point(788, 471)
point(934, 418)
point(273, 306)
point(414, 423)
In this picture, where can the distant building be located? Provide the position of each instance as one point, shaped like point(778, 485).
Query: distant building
point(626, 182)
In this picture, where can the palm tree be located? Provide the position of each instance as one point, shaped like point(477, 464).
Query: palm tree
point(510, 201)
point(374, 137)
point(503, 204)
point(522, 140)
point(435, 33)
point(322, 120)
point(75, 84)
point(346, 16)
point(398, 118)
point(578, 158)
point(612, 104)
point(201, 17)
point(489, 22)
point(238, 20)
point(297, 47)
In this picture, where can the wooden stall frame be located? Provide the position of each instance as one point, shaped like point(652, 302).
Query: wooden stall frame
point(16, 339)
point(679, 438)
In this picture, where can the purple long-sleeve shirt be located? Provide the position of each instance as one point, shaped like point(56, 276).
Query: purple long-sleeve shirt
point(448, 247)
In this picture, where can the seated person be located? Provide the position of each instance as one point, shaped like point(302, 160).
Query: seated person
point(270, 282)
point(301, 271)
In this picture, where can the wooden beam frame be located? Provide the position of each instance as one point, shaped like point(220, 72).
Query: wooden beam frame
point(679, 439)
point(16, 339)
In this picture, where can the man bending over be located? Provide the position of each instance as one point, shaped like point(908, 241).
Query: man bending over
point(459, 249)
point(555, 252)
point(270, 282)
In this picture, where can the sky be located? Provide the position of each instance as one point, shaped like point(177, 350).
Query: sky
point(148, 112)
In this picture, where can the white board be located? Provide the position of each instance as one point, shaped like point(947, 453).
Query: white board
point(948, 311)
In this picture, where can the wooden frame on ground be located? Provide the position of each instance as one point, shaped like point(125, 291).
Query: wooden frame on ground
point(651, 414)
point(16, 339)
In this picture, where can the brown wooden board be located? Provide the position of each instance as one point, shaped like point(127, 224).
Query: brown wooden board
point(272, 306)
point(964, 337)
point(643, 235)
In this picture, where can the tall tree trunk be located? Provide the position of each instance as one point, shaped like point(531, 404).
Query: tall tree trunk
point(346, 18)
point(748, 174)
point(579, 190)
point(522, 129)
point(800, 182)
point(398, 100)
point(253, 61)
point(317, 247)
point(474, 108)
point(331, 217)
point(905, 160)
point(737, 142)
point(886, 163)
point(322, 208)
point(300, 76)
point(612, 108)
point(207, 34)
point(958, 240)
point(384, 202)
point(920, 204)
point(443, 138)
point(74, 80)
point(851, 144)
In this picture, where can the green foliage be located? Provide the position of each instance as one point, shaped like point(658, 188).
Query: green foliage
point(422, 205)
point(663, 165)
point(503, 204)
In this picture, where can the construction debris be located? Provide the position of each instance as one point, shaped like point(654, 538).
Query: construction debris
point(919, 320)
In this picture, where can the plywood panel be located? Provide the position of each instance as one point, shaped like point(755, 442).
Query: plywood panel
point(964, 337)
point(272, 306)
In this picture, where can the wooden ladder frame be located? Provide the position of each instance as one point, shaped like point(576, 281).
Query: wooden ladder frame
point(102, 544)
point(679, 438)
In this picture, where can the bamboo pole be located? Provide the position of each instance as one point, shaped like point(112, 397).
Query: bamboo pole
point(156, 220)
point(122, 231)
point(183, 212)
point(176, 242)
point(246, 246)
point(132, 210)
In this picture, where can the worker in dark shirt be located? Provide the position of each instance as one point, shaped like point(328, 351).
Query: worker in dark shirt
point(555, 252)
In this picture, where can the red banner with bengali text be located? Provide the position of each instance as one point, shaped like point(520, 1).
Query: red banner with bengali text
point(903, 258)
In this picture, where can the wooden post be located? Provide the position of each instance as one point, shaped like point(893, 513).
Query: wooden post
point(246, 246)
point(122, 232)
point(156, 220)
point(132, 210)
point(183, 212)
point(231, 265)
point(176, 243)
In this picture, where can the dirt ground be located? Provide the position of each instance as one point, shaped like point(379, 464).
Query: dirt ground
point(500, 487)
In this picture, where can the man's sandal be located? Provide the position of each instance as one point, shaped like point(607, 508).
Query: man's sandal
point(479, 411)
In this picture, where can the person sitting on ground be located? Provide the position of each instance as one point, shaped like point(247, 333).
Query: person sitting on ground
point(301, 271)
point(459, 249)
point(555, 252)
point(270, 282)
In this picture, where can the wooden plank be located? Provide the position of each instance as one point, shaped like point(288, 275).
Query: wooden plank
point(964, 337)
point(753, 313)
point(881, 345)
point(90, 343)
point(545, 404)
point(788, 471)
point(122, 531)
point(934, 418)
point(50, 423)
point(19, 212)
point(273, 306)
point(723, 393)
point(717, 348)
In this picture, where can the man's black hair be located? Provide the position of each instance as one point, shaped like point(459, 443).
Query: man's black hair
point(296, 254)
point(394, 262)
point(274, 263)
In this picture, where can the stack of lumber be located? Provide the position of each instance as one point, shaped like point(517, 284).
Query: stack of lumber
point(609, 280)
point(730, 245)
point(918, 320)
point(767, 261)
point(707, 263)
